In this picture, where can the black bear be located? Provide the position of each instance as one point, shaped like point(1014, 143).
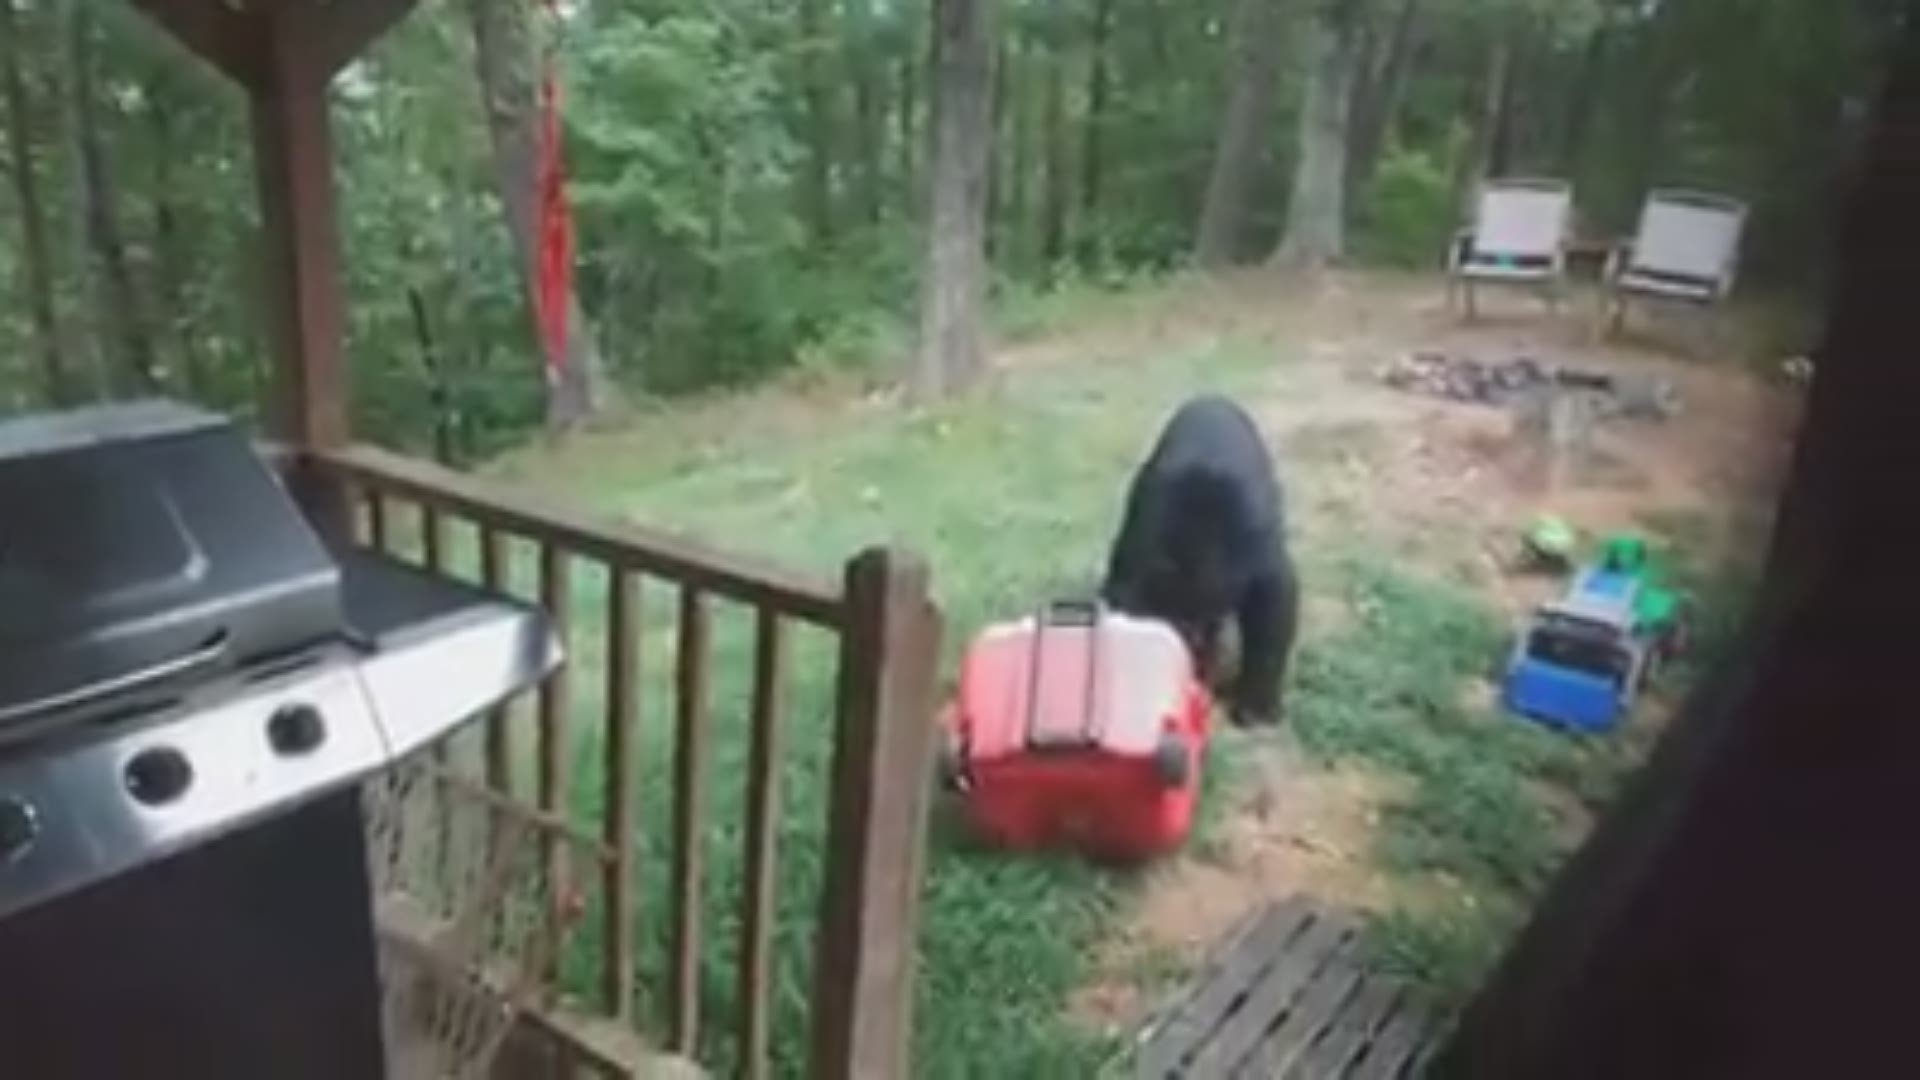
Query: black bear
point(1204, 538)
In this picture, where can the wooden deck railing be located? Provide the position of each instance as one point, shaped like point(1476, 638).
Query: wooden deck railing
point(888, 634)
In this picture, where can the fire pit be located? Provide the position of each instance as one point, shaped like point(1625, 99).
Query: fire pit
point(1521, 379)
point(192, 687)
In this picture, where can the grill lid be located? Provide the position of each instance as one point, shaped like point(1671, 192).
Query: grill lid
point(141, 545)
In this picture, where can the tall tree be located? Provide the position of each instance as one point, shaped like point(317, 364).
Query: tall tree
point(135, 369)
point(952, 349)
point(816, 90)
point(1018, 57)
point(869, 107)
point(1256, 44)
point(1582, 96)
point(997, 144)
point(1501, 124)
point(1092, 160)
point(1477, 160)
point(1054, 193)
point(33, 219)
point(1316, 233)
point(170, 274)
point(1377, 97)
point(907, 111)
point(503, 54)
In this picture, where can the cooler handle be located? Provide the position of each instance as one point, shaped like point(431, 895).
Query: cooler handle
point(1070, 613)
point(1066, 614)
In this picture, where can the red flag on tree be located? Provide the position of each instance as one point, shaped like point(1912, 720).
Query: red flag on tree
point(554, 281)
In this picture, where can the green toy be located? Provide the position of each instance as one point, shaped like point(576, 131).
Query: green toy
point(1656, 608)
point(1579, 661)
point(1552, 540)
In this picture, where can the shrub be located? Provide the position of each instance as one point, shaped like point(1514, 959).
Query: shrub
point(1405, 214)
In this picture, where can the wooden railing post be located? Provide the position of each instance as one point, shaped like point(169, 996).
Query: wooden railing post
point(876, 825)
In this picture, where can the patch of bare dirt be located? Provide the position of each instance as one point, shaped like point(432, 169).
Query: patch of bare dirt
point(1451, 486)
point(1293, 829)
point(1448, 487)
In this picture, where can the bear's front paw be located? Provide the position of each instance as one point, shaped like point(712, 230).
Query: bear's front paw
point(1247, 716)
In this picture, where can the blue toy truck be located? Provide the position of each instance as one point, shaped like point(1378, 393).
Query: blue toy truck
point(1579, 661)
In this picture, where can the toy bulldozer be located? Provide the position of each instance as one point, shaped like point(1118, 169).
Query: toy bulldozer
point(1580, 661)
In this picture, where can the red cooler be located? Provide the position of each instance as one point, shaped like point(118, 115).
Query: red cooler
point(1080, 728)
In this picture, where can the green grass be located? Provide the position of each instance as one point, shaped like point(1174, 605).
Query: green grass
point(1392, 691)
point(1011, 495)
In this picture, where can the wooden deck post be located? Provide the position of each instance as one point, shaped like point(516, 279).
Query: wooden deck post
point(293, 163)
point(884, 737)
point(300, 252)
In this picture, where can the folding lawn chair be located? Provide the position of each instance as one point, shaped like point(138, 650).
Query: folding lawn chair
point(1518, 238)
point(1686, 250)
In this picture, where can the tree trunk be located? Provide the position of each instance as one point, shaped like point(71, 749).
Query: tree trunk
point(996, 148)
point(1019, 153)
point(1581, 98)
point(504, 62)
point(1376, 108)
point(869, 109)
point(439, 393)
point(1366, 73)
point(1092, 165)
point(1316, 233)
point(135, 369)
point(33, 221)
point(907, 119)
point(817, 176)
point(1660, 71)
point(1053, 196)
point(952, 350)
point(1256, 49)
point(1477, 163)
point(1502, 127)
point(170, 270)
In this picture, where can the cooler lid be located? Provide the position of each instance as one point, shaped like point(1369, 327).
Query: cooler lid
point(1101, 680)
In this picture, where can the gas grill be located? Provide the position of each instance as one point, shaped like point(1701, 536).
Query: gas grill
point(191, 686)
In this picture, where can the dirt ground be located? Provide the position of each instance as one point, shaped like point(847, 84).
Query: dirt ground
point(1447, 486)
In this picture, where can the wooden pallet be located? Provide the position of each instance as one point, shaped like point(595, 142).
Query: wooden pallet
point(1287, 996)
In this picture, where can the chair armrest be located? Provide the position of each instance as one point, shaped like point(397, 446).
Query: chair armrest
point(1457, 249)
point(1618, 259)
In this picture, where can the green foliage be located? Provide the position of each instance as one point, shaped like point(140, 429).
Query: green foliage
point(691, 147)
point(1444, 954)
point(1027, 309)
point(1406, 213)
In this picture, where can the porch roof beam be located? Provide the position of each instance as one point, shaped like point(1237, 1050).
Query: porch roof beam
point(229, 38)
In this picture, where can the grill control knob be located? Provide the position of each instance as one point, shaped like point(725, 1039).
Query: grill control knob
point(296, 729)
point(158, 776)
point(19, 827)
